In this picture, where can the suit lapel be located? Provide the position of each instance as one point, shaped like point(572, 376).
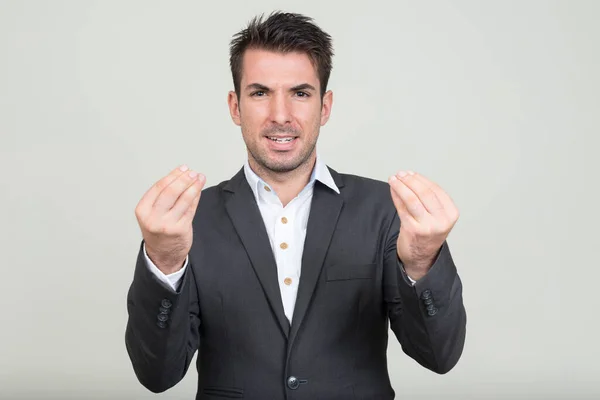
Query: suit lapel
point(325, 210)
point(245, 215)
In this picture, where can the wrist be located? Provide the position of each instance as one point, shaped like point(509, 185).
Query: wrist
point(166, 265)
point(169, 269)
point(415, 273)
point(417, 269)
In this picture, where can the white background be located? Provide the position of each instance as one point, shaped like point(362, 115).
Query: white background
point(498, 102)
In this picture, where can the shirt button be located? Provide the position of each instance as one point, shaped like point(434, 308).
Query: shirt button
point(287, 281)
point(283, 245)
point(268, 189)
point(284, 220)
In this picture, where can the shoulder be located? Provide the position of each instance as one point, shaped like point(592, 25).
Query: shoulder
point(353, 184)
point(213, 197)
point(365, 192)
point(216, 194)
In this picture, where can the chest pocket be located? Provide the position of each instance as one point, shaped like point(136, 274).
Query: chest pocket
point(343, 272)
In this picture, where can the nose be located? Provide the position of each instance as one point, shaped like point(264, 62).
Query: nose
point(280, 110)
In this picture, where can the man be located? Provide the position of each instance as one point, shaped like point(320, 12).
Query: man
point(286, 276)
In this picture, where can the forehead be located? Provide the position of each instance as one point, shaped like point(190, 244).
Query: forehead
point(268, 67)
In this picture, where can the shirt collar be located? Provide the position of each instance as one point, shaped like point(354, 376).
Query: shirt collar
point(319, 173)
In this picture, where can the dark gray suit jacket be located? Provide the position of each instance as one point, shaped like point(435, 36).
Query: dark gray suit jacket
point(352, 288)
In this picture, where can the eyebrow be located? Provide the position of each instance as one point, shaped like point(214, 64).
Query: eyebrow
point(302, 86)
point(257, 86)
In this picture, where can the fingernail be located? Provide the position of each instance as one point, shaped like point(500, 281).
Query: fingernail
point(402, 174)
point(411, 173)
point(183, 168)
point(192, 174)
point(393, 178)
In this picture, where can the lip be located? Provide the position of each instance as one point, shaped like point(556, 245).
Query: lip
point(281, 136)
point(273, 145)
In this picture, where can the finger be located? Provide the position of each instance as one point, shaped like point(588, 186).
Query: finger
point(149, 198)
point(398, 203)
point(423, 191)
point(443, 197)
point(412, 203)
point(187, 201)
point(190, 213)
point(169, 195)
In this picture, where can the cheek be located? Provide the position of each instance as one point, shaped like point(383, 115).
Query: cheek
point(253, 115)
point(308, 117)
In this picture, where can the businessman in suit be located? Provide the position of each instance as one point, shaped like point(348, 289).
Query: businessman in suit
point(286, 277)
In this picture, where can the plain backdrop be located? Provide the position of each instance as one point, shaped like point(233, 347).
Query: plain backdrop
point(496, 101)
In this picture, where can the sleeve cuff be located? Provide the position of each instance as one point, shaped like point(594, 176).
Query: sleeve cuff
point(410, 281)
point(172, 280)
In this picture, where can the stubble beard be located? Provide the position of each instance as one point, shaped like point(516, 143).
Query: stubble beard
point(261, 157)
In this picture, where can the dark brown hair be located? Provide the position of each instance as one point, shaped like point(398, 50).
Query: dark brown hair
point(283, 32)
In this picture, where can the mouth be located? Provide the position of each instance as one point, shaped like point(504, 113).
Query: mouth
point(281, 139)
point(281, 143)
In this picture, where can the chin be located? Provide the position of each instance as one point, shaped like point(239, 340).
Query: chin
point(282, 165)
point(281, 160)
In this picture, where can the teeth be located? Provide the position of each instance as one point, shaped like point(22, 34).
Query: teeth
point(284, 140)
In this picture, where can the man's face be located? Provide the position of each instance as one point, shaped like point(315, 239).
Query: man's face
point(279, 108)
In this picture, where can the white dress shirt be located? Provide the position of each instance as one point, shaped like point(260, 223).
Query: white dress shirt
point(286, 228)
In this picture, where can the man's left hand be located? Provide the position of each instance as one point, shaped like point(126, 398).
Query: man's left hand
point(427, 216)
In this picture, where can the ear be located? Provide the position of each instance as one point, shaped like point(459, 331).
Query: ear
point(327, 103)
point(234, 107)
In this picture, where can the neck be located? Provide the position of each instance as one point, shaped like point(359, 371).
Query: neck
point(289, 184)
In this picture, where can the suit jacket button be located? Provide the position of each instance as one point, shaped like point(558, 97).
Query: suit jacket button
point(163, 317)
point(161, 324)
point(432, 312)
point(164, 310)
point(166, 303)
point(426, 294)
point(293, 383)
point(428, 301)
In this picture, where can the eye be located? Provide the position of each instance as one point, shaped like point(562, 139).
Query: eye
point(258, 93)
point(302, 94)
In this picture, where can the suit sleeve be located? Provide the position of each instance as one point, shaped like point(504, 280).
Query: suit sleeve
point(174, 279)
point(162, 332)
point(428, 317)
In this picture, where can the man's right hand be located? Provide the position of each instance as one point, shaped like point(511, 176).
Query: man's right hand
point(165, 215)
